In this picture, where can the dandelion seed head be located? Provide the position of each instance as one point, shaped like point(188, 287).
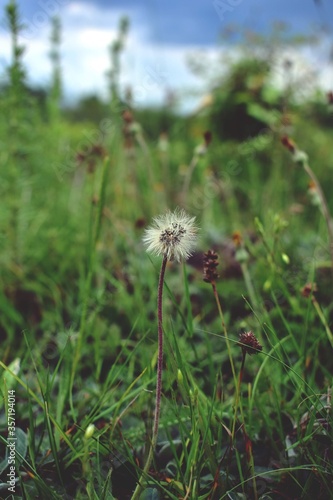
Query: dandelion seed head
point(172, 235)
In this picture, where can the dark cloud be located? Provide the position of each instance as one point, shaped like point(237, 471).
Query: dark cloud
point(201, 21)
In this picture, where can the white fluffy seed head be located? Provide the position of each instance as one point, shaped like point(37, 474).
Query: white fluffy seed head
point(172, 235)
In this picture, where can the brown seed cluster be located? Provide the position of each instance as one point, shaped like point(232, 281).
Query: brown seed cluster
point(237, 238)
point(249, 343)
point(288, 143)
point(207, 138)
point(309, 289)
point(210, 263)
point(91, 156)
point(172, 235)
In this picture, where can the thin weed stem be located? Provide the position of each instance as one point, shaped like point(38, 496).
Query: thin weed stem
point(324, 208)
point(323, 319)
point(248, 442)
point(94, 233)
point(249, 285)
point(237, 397)
point(188, 177)
point(225, 332)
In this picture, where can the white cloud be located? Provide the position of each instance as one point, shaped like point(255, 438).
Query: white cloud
point(87, 33)
point(149, 69)
point(310, 68)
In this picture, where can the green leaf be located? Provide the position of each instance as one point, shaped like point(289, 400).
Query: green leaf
point(268, 116)
point(150, 494)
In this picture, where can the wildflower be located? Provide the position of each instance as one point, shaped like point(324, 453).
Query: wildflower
point(330, 98)
point(288, 143)
point(207, 137)
point(201, 149)
point(210, 263)
point(140, 223)
point(309, 289)
point(91, 156)
point(172, 235)
point(249, 343)
point(314, 194)
point(241, 254)
point(297, 155)
point(237, 238)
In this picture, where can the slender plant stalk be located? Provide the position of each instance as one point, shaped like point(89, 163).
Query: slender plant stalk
point(219, 307)
point(249, 285)
point(95, 232)
point(324, 208)
point(301, 157)
point(144, 147)
point(237, 383)
point(188, 178)
point(323, 319)
point(153, 443)
point(248, 442)
point(237, 397)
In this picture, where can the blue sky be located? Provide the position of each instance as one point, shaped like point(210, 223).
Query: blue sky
point(161, 36)
point(200, 21)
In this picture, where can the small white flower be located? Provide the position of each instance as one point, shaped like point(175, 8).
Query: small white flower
point(172, 235)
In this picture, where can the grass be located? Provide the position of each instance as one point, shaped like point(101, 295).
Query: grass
point(78, 322)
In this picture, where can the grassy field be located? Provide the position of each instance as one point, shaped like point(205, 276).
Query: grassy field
point(78, 303)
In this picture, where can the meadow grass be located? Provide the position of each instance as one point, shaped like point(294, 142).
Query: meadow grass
point(78, 321)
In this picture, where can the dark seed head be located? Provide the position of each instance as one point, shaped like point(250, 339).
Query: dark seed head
point(210, 264)
point(249, 343)
point(309, 289)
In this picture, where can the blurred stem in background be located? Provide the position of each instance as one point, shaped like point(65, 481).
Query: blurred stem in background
point(301, 158)
point(115, 50)
point(94, 234)
point(54, 98)
point(15, 105)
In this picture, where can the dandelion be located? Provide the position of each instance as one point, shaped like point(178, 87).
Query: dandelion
point(172, 235)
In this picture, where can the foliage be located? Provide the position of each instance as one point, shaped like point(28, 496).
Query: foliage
point(78, 302)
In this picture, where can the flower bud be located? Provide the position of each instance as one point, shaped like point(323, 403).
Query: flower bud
point(89, 431)
point(180, 376)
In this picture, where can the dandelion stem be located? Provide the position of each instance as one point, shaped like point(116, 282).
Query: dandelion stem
point(160, 353)
point(153, 443)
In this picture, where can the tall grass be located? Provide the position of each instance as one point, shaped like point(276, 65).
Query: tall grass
point(78, 310)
